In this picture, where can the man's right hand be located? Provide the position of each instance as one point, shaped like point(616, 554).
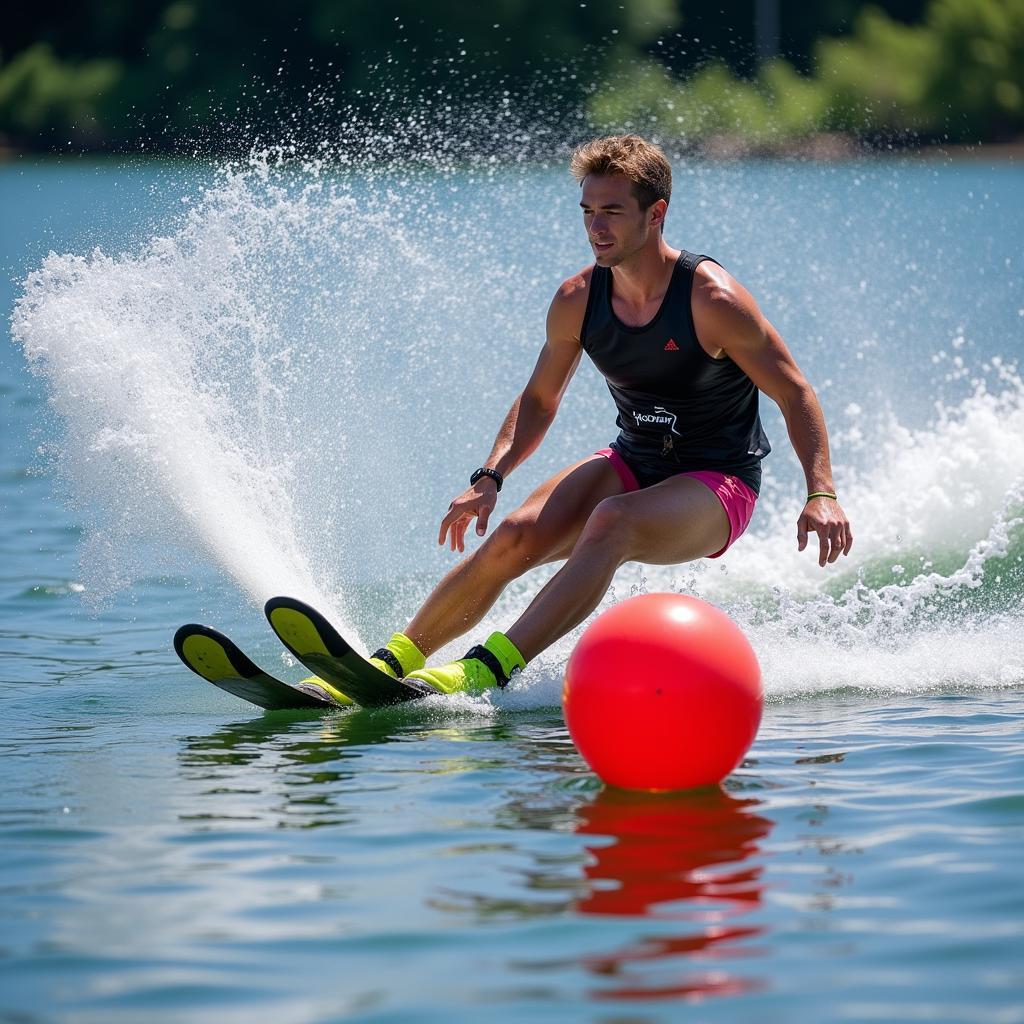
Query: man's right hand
point(476, 502)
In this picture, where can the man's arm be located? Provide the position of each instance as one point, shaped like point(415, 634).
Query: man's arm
point(531, 414)
point(727, 319)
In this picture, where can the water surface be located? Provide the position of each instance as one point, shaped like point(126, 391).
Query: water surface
point(231, 403)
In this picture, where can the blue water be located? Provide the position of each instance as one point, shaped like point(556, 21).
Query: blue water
point(228, 402)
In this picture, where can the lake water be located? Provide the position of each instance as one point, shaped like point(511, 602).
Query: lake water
point(272, 379)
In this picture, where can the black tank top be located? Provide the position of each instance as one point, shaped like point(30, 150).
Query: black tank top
point(679, 409)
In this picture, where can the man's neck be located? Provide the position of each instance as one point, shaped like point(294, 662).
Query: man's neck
point(645, 276)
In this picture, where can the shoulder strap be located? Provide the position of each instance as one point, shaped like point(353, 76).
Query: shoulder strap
point(598, 288)
point(690, 262)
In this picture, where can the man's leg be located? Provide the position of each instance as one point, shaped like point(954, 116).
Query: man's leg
point(675, 521)
point(544, 528)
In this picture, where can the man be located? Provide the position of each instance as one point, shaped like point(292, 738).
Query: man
point(685, 350)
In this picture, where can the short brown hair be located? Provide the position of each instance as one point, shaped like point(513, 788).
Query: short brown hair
point(643, 163)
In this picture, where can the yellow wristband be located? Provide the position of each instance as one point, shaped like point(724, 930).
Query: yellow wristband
point(822, 494)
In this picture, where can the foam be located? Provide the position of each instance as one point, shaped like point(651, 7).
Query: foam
point(870, 623)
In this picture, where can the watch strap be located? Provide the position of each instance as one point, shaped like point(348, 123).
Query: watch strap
point(484, 471)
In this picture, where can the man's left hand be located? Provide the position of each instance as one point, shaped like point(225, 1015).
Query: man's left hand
point(827, 519)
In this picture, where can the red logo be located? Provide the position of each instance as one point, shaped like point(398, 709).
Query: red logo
point(671, 346)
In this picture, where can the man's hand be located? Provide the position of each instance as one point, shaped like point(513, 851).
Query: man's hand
point(829, 522)
point(476, 502)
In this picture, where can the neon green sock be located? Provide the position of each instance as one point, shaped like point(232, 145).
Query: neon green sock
point(506, 652)
point(407, 655)
point(471, 674)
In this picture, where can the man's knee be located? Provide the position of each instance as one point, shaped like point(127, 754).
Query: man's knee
point(516, 544)
point(610, 525)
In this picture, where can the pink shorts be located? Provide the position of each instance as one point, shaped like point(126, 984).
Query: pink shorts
point(736, 497)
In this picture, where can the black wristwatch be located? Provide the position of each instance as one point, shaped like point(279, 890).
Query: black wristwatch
point(483, 471)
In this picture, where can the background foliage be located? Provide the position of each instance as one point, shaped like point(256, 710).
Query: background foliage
point(957, 74)
point(146, 73)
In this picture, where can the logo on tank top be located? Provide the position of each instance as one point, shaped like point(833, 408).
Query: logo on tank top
point(671, 346)
point(660, 417)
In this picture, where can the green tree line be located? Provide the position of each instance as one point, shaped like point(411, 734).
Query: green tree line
point(957, 75)
point(145, 73)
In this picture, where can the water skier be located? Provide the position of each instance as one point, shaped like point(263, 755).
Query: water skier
point(685, 350)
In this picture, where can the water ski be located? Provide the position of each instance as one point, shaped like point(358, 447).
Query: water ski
point(219, 661)
point(322, 649)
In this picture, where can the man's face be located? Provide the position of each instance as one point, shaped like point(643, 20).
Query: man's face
point(616, 226)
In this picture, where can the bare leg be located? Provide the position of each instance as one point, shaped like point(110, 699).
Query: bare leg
point(545, 527)
point(675, 521)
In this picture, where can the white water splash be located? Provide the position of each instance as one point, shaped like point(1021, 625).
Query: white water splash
point(248, 388)
point(237, 390)
point(140, 353)
point(871, 623)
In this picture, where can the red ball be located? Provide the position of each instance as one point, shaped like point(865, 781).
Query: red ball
point(662, 692)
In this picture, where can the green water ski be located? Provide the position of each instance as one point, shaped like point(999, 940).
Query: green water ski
point(218, 660)
point(323, 650)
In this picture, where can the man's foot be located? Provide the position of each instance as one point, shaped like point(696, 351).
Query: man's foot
point(490, 664)
point(316, 683)
point(398, 658)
